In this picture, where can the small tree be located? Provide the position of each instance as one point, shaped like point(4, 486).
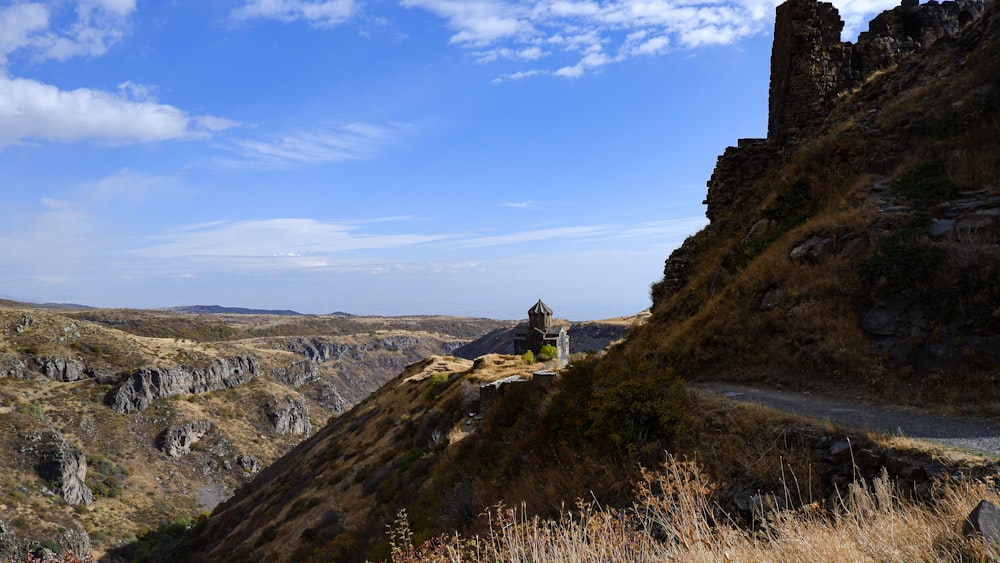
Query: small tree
point(528, 357)
point(548, 352)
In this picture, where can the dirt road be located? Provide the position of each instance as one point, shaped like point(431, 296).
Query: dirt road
point(979, 435)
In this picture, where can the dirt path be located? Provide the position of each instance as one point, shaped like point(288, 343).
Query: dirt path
point(980, 435)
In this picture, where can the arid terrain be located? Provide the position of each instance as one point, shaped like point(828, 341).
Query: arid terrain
point(853, 252)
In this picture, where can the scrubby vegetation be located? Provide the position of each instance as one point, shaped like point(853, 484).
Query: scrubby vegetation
point(674, 519)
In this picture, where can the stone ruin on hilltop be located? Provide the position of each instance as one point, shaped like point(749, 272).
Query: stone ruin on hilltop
point(811, 67)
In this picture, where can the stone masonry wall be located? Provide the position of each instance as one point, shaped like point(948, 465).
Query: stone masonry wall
point(810, 66)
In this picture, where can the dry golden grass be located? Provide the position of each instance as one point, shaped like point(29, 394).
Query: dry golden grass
point(868, 524)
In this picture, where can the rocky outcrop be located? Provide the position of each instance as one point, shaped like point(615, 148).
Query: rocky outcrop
point(146, 385)
point(61, 464)
point(320, 350)
point(290, 416)
point(13, 366)
point(177, 441)
point(61, 369)
point(249, 463)
point(296, 374)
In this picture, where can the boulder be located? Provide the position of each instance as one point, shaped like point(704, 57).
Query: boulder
point(814, 249)
point(177, 442)
point(984, 520)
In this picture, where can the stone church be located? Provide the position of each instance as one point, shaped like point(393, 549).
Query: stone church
point(540, 332)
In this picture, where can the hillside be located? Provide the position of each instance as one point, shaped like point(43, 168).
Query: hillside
point(853, 250)
point(118, 422)
point(861, 239)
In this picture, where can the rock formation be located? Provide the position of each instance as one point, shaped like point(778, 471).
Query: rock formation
point(61, 369)
point(290, 416)
point(320, 350)
point(296, 374)
point(177, 441)
point(148, 384)
point(59, 463)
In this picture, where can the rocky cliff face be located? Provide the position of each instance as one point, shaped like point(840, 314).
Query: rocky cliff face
point(146, 385)
point(59, 463)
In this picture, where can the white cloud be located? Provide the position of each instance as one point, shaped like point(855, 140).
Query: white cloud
point(321, 14)
point(215, 124)
point(353, 141)
point(19, 24)
point(478, 22)
point(31, 110)
point(581, 36)
point(93, 27)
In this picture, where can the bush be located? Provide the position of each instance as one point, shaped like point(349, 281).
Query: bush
point(547, 353)
point(528, 357)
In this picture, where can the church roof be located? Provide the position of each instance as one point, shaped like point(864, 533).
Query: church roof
point(540, 308)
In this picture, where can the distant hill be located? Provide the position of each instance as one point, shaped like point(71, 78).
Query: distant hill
point(219, 310)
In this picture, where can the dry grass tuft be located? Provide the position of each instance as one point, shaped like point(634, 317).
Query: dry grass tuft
point(672, 520)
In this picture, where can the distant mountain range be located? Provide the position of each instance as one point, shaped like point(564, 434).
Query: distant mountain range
point(217, 309)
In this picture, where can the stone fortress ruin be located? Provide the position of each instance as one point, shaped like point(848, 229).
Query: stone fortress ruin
point(811, 67)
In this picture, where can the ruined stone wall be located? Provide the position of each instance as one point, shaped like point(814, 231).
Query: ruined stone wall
point(810, 66)
point(807, 59)
point(733, 176)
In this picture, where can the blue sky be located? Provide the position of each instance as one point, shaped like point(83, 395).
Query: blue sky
point(373, 156)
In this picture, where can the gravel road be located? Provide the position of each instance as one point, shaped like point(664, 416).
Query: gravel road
point(980, 435)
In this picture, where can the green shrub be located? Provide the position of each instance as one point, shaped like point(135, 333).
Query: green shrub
point(436, 384)
point(528, 357)
point(547, 353)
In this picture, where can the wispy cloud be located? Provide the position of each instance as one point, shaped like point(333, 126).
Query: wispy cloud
point(529, 204)
point(579, 36)
point(353, 141)
point(127, 185)
point(537, 235)
point(274, 238)
point(327, 13)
